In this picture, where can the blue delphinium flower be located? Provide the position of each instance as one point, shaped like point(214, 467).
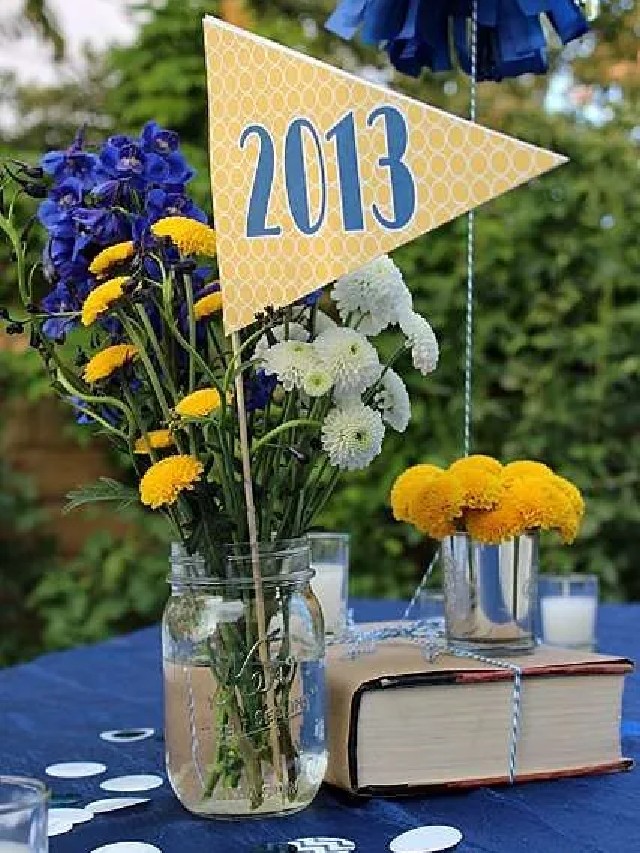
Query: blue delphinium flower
point(60, 301)
point(125, 168)
point(56, 211)
point(166, 144)
point(102, 226)
point(72, 163)
point(160, 203)
point(311, 298)
point(97, 200)
point(258, 389)
point(107, 413)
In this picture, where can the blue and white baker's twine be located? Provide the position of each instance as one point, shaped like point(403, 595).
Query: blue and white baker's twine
point(425, 633)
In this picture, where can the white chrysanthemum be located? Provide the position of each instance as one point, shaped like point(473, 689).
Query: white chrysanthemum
point(352, 435)
point(351, 360)
point(290, 361)
point(317, 381)
point(324, 322)
point(373, 297)
point(292, 332)
point(393, 401)
point(424, 344)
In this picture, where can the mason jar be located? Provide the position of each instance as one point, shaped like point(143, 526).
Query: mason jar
point(244, 682)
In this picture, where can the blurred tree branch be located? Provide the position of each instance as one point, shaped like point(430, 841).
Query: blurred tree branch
point(38, 16)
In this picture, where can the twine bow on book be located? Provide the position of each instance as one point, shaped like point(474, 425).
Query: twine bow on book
point(428, 634)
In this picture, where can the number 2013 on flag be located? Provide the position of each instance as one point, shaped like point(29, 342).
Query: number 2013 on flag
point(344, 136)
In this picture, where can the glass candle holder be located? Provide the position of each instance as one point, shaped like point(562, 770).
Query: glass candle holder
point(330, 562)
point(568, 609)
point(23, 815)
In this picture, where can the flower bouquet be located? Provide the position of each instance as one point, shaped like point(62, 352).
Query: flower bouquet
point(233, 440)
point(489, 517)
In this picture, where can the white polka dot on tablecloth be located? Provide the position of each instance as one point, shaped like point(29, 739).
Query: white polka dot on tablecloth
point(75, 769)
point(126, 784)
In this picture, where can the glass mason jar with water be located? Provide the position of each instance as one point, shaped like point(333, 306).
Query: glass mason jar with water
point(244, 683)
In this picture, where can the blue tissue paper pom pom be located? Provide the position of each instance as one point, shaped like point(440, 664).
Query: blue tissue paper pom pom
point(433, 34)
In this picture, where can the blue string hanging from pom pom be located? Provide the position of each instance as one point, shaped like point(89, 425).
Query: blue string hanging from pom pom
point(420, 34)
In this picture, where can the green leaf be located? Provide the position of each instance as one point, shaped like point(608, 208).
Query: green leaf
point(105, 489)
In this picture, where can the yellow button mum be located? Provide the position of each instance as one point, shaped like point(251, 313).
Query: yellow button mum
point(189, 235)
point(108, 360)
point(437, 505)
point(405, 487)
point(199, 404)
point(164, 481)
point(525, 468)
point(496, 525)
point(208, 305)
point(100, 299)
point(477, 460)
point(481, 487)
point(157, 439)
point(573, 494)
point(110, 256)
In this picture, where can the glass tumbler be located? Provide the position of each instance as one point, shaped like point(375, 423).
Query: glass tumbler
point(23, 815)
point(330, 562)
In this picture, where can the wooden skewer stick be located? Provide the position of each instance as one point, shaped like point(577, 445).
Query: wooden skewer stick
point(255, 560)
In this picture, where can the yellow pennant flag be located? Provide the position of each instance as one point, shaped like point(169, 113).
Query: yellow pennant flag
point(315, 171)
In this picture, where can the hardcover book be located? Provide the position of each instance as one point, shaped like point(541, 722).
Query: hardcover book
point(399, 723)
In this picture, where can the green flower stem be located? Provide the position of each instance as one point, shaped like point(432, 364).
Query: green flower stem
point(15, 238)
point(247, 750)
point(188, 289)
point(165, 309)
point(172, 328)
point(270, 471)
point(211, 335)
point(227, 478)
point(98, 419)
point(157, 349)
point(302, 423)
point(58, 314)
point(321, 499)
point(235, 363)
point(126, 392)
point(62, 376)
point(151, 373)
point(371, 392)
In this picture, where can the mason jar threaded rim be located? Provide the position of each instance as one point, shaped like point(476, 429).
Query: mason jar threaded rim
point(239, 569)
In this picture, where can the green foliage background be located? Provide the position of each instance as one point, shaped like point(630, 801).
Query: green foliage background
point(556, 362)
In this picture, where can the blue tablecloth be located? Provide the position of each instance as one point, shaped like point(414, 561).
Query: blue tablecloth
point(53, 709)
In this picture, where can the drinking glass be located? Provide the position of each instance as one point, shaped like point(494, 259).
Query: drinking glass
point(330, 562)
point(23, 815)
point(568, 609)
point(490, 594)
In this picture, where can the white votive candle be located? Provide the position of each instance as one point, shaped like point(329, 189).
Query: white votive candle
point(328, 586)
point(568, 620)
